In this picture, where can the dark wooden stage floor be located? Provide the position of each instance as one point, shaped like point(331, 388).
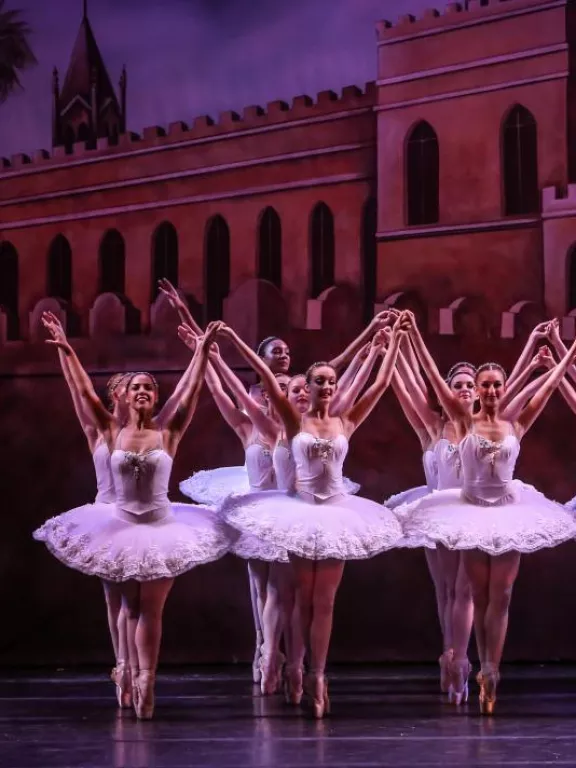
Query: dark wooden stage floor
point(381, 717)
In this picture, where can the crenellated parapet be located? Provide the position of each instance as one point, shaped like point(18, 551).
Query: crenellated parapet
point(453, 15)
point(254, 117)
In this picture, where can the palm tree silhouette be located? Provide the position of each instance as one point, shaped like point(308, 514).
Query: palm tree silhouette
point(15, 52)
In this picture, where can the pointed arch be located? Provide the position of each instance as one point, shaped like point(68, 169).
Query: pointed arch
point(571, 279)
point(369, 258)
point(164, 255)
point(270, 247)
point(422, 175)
point(322, 247)
point(520, 162)
point(216, 267)
point(112, 259)
point(59, 277)
point(9, 286)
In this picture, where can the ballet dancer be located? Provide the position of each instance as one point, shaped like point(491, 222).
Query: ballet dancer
point(141, 541)
point(320, 525)
point(493, 518)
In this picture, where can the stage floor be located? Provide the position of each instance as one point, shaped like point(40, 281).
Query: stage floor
point(381, 717)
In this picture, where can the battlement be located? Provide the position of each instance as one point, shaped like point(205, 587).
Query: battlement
point(559, 199)
point(457, 14)
point(204, 127)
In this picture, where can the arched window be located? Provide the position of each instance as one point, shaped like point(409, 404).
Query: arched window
point(112, 263)
point(369, 262)
point(59, 282)
point(520, 162)
point(321, 249)
point(164, 256)
point(270, 248)
point(83, 132)
point(216, 267)
point(9, 286)
point(571, 280)
point(422, 175)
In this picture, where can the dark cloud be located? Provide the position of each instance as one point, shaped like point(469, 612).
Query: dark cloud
point(191, 57)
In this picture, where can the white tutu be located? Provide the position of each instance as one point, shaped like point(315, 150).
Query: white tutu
point(570, 506)
point(526, 523)
point(212, 486)
point(344, 528)
point(406, 497)
point(98, 540)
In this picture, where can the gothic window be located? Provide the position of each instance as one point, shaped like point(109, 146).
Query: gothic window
point(520, 162)
point(9, 286)
point(422, 175)
point(164, 256)
point(321, 249)
point(270, 248)
point(112, 263)
point(59, 281)
point(369, 265)
point(216, 267)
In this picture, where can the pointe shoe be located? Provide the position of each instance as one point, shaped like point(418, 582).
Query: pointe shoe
point(271, 665)
point(459, 673)
point(257, 661)
point(144, 694)
point(487, 679)
point(317, 689)
point(120, 676)
point(444, 662)
point(293, 690)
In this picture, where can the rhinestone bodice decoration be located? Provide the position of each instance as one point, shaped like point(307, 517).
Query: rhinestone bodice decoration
point(319, 462)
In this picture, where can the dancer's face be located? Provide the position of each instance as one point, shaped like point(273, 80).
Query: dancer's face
point(322, 384)
point(491, 386)
point(464, 388)
point(283, 382)
point(299, 393)
point(141, 393)
point(277, 356)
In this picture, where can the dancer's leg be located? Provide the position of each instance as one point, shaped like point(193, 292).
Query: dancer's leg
point(113, 597)
point(148, 636)
point(275, 618)
point(258, 577)
point(477, 569)
point(433, 564)
point(448, 561)
point(503, 573)
point(462, 619)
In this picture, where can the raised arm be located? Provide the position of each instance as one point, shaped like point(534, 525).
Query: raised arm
point(423, 430)
point(377, 322)
point(346, 397)
point(178, 422)
point(97, 416)
point(178, 303)
point(366, 404)
point(536, 405)
point(539, 333)
point(287, 413)
point(448, 401)
point(347, 379)
point(559, 346)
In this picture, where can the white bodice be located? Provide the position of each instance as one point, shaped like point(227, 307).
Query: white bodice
point(448, 462)
point(284, 468)
point(260, 468)
point(104, 482)
point(141, 480)
point(488, 468)
point(319, 462)
point(430, 469)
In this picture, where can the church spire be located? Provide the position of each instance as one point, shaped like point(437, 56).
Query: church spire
point(88, 107)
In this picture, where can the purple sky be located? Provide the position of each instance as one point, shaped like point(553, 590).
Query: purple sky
point(194, 57)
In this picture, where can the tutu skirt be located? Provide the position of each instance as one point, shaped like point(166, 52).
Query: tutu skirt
point(343, 528)
point(406, 497)
point(525, 523)
point(100, 540)
point(212, 486)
